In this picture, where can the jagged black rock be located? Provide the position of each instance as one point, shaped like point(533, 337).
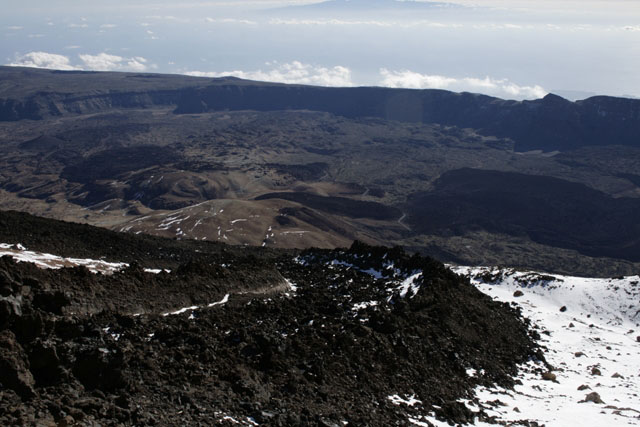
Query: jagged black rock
point(92, 348)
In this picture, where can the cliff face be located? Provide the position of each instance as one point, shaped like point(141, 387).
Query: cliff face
point(45, 104)
point(14, 110)
point(548, 124)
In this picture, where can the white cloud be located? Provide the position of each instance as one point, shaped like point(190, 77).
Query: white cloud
point(108, 26)
point(14, 28)
point(632, 28)
point(101, 62)
point(44, 60)
point(78, 26)
point(73, 47)
point(293, 72)
point(300, 73)
point(409, 79)
point(151, 35)
point(230, 21)
point(496, 87)
point(106, 62)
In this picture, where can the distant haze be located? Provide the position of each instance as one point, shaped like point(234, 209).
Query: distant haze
point(516, 49)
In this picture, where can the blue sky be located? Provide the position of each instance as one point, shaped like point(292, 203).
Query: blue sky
point(511, 49)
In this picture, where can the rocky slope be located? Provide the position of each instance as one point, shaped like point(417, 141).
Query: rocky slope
point(364, 336)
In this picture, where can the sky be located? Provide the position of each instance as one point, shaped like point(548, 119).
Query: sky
point(512, 49)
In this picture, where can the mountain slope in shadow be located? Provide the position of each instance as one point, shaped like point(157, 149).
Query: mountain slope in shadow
point(548, 210)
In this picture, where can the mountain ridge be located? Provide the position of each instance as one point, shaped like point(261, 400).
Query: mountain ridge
point(548, 124)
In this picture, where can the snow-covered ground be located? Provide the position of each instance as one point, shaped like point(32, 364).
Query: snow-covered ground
point(590, 328)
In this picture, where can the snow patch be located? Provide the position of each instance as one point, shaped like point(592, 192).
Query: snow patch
point(363, 305)
point(589, 327)
point(224, 300)
point(409, 284)
point(182, 310)
point(409, 400)
point(43, 260)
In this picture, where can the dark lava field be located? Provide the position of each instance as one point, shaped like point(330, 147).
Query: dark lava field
point(272, 336)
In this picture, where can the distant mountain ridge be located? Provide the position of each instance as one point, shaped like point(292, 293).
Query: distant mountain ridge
point(368, 5)
point(548, 124)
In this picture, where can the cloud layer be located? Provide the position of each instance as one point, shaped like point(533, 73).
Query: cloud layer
point(292, 72)
point(100, 62)
point(44, 60)
point(106, 62)
point(502, 88)
point(295, 72)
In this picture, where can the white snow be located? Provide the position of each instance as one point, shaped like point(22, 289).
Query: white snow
point(182, 310)
point(372, 272)
point(409, 400)
point(471, 372)
point(597, 327)
point(409, 284)
point(292, 286)
point(224, 300)
point(43, 260)
point(170, 220)
point(363, 305)
point(248, 421)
